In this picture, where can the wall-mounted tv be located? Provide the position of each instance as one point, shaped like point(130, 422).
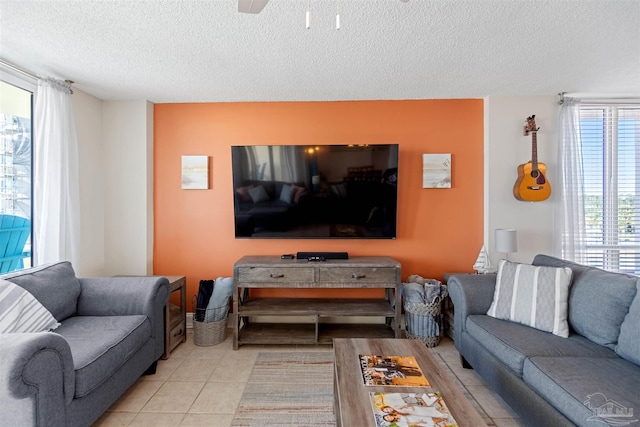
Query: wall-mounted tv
point(315, 192)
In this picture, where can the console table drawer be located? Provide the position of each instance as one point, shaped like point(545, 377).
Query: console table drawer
point(276, 274)
point(357, 275)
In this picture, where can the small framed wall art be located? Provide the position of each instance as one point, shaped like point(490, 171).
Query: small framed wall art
point(436, 171)
point(195, 172)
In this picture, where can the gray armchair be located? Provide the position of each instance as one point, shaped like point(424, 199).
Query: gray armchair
point(111, 332)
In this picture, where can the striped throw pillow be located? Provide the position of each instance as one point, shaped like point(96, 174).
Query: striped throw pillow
point(535, 296)
point(22, 312)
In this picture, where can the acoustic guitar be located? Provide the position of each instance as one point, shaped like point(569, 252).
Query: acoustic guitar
point(532, 184)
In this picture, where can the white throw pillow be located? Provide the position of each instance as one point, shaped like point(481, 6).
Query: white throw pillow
point(535, 296)
point(22, 312)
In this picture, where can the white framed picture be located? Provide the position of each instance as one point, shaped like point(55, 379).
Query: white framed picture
point(195, 172)
point(436, 171)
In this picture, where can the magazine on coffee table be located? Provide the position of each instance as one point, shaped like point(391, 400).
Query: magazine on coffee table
point(409, 409)
point(392, 371)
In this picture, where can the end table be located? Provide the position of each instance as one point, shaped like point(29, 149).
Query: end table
point(175, 317)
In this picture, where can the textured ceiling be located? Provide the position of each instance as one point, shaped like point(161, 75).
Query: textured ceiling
point(205, 51)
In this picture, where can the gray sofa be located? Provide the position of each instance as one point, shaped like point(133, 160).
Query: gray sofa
point(111, 332)
point(591, 378)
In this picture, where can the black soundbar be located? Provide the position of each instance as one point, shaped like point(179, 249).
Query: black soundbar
point(322, 255)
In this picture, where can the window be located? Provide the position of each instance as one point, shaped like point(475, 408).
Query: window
point(610, 140)
point(15, 176)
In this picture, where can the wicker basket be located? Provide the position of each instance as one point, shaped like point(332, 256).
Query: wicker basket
point(424, 321)
point(211, 333)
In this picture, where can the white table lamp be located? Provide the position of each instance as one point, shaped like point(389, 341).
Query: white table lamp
point(506, 240)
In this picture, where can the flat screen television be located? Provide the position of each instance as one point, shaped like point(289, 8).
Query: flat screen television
point(315, 192)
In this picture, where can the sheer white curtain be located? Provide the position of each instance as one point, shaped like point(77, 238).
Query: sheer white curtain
point(295, 164)
point(56, 189)
point(570, 241)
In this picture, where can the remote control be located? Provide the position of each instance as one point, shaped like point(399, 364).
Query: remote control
point(287, 256)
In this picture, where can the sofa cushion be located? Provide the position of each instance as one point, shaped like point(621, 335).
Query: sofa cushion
point(629, 340)
point(258, 194)
point(243, 192)
point(101, 344)
point(286, 194)
point(21, 312)
point(532, 295)
point(512, 343)
point(587, 390)
point(598, 300)
point(297, 193)
point(54, 285)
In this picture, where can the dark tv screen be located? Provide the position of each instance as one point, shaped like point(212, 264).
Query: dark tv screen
point(315, 192)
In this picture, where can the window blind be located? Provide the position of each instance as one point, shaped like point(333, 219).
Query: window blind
point(610, 140)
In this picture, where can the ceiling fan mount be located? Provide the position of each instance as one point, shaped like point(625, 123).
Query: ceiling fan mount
point(251, 6)
point(256, 6)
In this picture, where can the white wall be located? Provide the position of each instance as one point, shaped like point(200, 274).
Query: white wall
point(87, 112)
point(115, 147)
point(128, 160)
point(505, 148)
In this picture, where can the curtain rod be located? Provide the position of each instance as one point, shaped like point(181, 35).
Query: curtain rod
point(27, 73)
point(18, 69)
point(586, 98)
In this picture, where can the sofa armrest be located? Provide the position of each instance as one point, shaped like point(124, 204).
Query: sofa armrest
point(122, 296)
point(37, 378)
point(471, 294)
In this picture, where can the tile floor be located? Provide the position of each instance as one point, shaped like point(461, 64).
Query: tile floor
point(202, 386)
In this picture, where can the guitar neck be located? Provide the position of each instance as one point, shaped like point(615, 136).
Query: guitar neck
point(534, 150)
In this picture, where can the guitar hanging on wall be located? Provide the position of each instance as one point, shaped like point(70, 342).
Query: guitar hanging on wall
point(532, 184)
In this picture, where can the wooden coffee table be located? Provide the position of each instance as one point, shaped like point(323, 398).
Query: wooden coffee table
point(351, 397)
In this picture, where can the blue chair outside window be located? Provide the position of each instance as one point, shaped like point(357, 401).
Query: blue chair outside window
point(14, 232)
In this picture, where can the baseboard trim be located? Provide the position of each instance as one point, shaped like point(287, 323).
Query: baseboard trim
point(189, 320)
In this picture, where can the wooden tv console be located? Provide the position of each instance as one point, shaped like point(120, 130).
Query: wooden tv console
point(274, 272)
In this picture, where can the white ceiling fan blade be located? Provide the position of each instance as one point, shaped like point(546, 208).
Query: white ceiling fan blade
point(251, 6)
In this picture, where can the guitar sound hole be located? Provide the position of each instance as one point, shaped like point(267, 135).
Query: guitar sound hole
point(534, 174)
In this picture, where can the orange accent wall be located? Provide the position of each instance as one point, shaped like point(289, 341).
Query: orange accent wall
point(439, 230)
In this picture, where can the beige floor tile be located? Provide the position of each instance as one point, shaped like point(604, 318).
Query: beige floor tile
point(137, 396)
point(446, 347)
point(115, 419)
point(492, 404)
point(184, 349)
point(157, 420)
point(248, 352)
point(219, 398)
point(174, 397)
point(207, 420)
point(213, 352)
point(164, 370)
point(467, 377)
point(232, 370)
point(197, 370)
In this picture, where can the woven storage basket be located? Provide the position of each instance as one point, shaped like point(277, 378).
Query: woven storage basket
point(423, 320)
point(210, 333)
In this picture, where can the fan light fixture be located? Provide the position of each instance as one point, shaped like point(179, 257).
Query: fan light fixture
point(256, 6)
point(251, 6)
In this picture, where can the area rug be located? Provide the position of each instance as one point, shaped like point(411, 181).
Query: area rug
point(288, 389)
point(296, 389)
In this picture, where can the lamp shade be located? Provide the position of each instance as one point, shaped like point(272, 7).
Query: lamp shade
point(506, 240)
